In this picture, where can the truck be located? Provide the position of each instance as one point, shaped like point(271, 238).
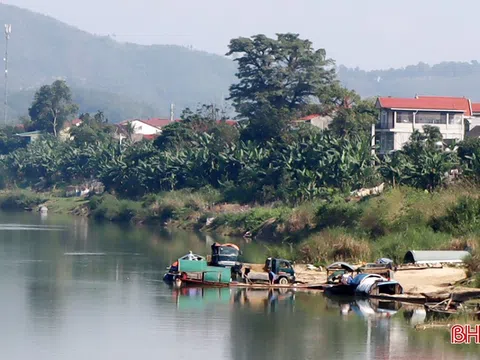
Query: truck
point(283, 270)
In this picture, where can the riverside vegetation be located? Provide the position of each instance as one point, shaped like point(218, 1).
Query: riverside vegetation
point(267, 176)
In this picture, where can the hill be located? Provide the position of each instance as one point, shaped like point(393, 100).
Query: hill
point(143, 79)
point(445, 78)
point(128, 80)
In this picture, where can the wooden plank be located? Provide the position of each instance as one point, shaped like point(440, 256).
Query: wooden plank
point(401, 297)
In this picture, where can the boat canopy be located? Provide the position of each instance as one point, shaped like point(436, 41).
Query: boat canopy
point(227, 245)
point(437, 256)
point(341, 265)
point(361, 277)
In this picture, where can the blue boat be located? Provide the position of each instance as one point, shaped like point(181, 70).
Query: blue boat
point(366, 285)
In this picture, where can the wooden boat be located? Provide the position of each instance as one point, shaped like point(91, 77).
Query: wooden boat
point(449, 307)
point(366, 285)
point(278, 286)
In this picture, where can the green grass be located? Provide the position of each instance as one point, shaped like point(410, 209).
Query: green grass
point(20, 199)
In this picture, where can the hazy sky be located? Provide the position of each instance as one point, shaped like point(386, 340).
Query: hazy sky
point(365, 33)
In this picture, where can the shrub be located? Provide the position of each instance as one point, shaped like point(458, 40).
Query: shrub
point(20, 200)
point(396, 245)
point(460, 218)
point(339, 213)
point(108, 207)
point(334, 245)
point(473, 264)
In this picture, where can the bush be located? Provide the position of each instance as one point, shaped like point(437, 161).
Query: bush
point(473, 264)
point(251, 220)
point(334, 245)
point(108, 207)
point(396, 245)
point(339, 213)
point(461, 218)
point(20, 200)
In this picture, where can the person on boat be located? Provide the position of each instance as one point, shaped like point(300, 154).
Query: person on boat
point(346, 279)
point(245, 276)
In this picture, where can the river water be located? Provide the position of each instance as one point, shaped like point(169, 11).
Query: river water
point(75, 289)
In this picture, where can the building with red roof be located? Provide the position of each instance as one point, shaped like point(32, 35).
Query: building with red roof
point(399, 117)
point(320, 121)
point(151, 128)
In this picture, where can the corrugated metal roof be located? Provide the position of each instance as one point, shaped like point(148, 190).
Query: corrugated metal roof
point(436, 256)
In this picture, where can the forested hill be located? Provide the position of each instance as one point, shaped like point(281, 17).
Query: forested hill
point(142, 80)
point(446, 78)
point(128, 80)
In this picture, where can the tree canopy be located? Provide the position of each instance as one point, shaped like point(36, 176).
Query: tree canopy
point(51, 107)
point(283, 73)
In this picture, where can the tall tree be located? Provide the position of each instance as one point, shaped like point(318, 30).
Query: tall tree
point(281, 74)
point(52, 106)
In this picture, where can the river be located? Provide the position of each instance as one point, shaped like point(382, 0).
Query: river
point(75, 289)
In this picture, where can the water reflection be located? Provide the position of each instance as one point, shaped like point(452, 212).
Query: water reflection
point(78, 282)
point(257, 300)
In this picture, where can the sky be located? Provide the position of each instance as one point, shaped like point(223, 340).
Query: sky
point(370, 34)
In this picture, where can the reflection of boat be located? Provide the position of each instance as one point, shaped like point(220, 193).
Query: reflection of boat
point(365, 307)
point(189, 298)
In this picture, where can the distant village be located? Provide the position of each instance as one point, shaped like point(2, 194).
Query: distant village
point(456, 118)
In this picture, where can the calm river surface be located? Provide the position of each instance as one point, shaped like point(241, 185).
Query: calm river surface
point(74, 289)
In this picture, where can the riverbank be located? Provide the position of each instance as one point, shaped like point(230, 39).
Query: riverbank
point(314, 232)
point(414, 282)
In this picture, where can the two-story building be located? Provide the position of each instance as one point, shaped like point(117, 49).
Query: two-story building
point(399, 117)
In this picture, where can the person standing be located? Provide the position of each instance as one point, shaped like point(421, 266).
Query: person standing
point(271, 276)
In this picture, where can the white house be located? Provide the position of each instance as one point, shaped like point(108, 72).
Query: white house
point(399, 117)
point(320, 121)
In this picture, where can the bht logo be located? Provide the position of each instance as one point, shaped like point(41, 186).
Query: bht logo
point(465, 334)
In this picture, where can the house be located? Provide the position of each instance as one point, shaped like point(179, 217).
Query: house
point(30, 135)
point(147, 127)
point(150, 128)
point(64, 134)
point(473, 125)
point(399, 117)
point(320, 121)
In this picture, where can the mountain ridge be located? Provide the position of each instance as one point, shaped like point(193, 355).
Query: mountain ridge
point(128, 80)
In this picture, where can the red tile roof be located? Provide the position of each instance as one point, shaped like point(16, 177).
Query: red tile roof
point(309, 117)
point(150, 137)
point(157, 122)
point(476, 107)
point(228, 122)
point(427, 103)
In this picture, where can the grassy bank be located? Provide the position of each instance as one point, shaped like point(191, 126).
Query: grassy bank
point(316, 232)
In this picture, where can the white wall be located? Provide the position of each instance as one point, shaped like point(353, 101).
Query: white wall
point(144, 129)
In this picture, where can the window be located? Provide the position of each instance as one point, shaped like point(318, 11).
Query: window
point(384, 120)
point(431, 118)
point(385, 141)
point(404, 117)
point(454, 118)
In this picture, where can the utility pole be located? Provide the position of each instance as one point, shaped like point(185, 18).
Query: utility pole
point(172, 112)
point(8, 31)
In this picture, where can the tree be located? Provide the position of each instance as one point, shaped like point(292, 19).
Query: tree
point(420, 163)
point(355, 117)
point(93, 129)
point(52, 106)
point(205, 119)
point(281, 74)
